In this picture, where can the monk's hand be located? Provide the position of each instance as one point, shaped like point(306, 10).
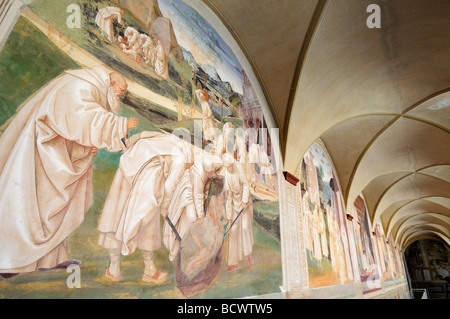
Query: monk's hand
point(244, 205)
point(132, 123)
point(164, 212)
point(94, 151)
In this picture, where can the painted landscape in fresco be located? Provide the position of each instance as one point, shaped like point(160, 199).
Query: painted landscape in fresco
point(365, 250)
point(178, 69)
point(324, 226)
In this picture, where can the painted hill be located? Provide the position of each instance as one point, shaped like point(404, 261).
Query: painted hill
point(187, 55)
point(211, 71)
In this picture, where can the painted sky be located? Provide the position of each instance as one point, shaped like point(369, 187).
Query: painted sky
point(197, 36)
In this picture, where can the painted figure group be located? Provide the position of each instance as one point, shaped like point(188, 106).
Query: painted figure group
point(325, 234)
point(46, 183)
point(137, 45)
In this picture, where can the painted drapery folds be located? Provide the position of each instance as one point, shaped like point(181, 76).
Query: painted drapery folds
point(325, 232)
point(383, 252)
point(183, 80)
point(397, 262)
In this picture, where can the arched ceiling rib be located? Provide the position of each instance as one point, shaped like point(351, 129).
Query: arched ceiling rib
point(409, 189)
point(379, 99)
point(352, 70)
point(426, 235)
point(423, 229)
point(419, 221)
point(394, 220)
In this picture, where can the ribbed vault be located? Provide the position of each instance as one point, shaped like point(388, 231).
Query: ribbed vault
point(379, 99)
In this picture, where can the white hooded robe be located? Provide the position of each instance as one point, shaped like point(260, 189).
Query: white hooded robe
point(46, 167)
point(104, 20)
point(145, 182)
point(240, 240)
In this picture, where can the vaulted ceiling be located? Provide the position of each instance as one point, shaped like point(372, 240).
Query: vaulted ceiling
point(379, 98)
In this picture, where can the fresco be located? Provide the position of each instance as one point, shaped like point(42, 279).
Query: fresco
point(395, 258)
point(427, 260)
point(383, 251)
point(141, 128)
point(365, 249)
point(324, 226)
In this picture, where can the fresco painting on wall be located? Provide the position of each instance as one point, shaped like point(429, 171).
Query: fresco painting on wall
point(401, 263)
point(368, 268)
point(430, 255)
point(395, 258)
point(182, 78)
point(324, 223)
point(382, 251)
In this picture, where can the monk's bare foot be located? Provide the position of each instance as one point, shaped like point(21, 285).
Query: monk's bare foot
point(111, 277)
point(157, 278)
point(250, 261)
point(232, 267)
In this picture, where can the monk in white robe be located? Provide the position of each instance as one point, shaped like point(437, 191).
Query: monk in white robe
point(142, 188)
point(130, 43)
point(266, 168)
point(334, 233)
point(253, 160)
point(240, 240)
point(323, 234)
point(161, 66)
point(209, 133)
point(251, 136)
point(221, 144)
point(240, 147)
point(134, 38)
point(240, 153)
point(105, 18)
point(46, 164)
point(188, 201)
point(147, 48)
point(315, 232)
